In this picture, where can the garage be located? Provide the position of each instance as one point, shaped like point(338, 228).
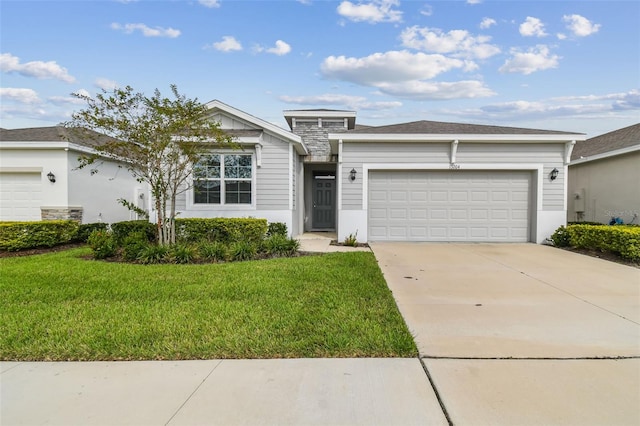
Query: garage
point(20, 196)
point(469, 205)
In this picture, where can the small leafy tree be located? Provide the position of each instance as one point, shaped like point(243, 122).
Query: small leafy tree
point(158, 139)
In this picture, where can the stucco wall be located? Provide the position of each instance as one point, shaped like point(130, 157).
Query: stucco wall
point(610, 188)
point(98, 193)
point(95, 195)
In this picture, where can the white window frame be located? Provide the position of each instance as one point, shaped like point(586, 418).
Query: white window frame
point(191, 205)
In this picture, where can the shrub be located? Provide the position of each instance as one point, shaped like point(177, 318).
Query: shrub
point(213, 251)
point(621, 239)
point(277, 228)
point(103, 244)
point(225, 230)
point(243, 250)
point(133, 244)
point(560, 238)
point(25, 235)
point(182, 253)
point(153, 253)
point(122, 229)
point(85, 229)
point(279, 245)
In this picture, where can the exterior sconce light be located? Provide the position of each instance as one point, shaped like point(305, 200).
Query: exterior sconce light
point(554, 174)
point(352, 175)
point(51, 177)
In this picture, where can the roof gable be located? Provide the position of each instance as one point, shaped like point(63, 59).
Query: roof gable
point(616, 140)
point(257, 123)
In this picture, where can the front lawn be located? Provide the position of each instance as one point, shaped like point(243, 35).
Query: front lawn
point(60, 306)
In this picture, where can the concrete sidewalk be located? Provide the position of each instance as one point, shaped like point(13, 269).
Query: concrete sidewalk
point(219, 392)
point(320, 242)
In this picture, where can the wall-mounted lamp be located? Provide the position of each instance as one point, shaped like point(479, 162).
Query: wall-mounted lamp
point(51, 177)
point(352, 175)
point(554, 174)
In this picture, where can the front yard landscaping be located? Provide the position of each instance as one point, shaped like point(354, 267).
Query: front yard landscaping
point(61, 306)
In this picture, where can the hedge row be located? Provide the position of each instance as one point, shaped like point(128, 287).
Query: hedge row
point(24, 235)
point(621, 239)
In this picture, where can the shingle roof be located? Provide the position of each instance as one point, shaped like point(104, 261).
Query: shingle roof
point(612, 141)
point(51, 134)
point(437, 127)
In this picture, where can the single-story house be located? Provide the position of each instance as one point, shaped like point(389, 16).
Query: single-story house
point(419, 181)
point(40, 179)
point(604, 178)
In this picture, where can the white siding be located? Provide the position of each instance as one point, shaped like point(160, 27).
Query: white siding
point(357, 154)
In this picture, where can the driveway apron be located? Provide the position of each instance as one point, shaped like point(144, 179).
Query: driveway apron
point(521, 333)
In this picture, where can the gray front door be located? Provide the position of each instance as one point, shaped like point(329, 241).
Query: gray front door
point(324, 214)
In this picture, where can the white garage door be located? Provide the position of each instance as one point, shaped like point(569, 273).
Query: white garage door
point(475, 206)
point(20, 196)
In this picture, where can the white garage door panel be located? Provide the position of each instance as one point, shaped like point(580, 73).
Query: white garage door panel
point(20, 196)
point(449, 206)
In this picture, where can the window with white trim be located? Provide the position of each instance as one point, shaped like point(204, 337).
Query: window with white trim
point(223, 179)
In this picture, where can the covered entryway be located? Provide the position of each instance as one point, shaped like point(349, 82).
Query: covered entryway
point(20, 196)
point(471, 206)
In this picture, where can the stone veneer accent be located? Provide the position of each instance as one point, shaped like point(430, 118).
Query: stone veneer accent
point(61, 213)
point(316, 138)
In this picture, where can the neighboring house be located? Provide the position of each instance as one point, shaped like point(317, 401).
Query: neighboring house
point(604, 178)
point(420, 181)
point(39, 179)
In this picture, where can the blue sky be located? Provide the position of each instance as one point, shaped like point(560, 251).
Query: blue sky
point(560, 65)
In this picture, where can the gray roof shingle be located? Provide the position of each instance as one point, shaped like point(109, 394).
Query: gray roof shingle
point(437, 127)
point(612, 141)
point(51, 134)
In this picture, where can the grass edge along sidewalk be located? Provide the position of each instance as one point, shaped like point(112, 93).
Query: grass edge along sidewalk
point(61, 306)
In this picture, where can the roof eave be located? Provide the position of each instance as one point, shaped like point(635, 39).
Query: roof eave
point(480, 138)
point(604, 155)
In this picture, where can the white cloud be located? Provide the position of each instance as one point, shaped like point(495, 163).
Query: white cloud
point(341, 101)
point(67, 100)
point(281, 48)
point(532, 27)
point(389, 66)
point(228, 44)
point(537, 58)
point(561, 36)
point(372, 12)
point(105, 84)
point(427, 90)
point(23, 96)
point(37, 69)
point(580, 26)
point(585, 107)
point(403, 74)
point(146, 31)
point(487, 23)
point(459, 43)
point(426, 10)
point(474, 1)
point(210, 3)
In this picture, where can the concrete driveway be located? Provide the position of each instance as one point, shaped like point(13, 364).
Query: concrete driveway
point(521, 333)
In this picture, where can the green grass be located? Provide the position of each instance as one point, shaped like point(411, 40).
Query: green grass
point(60, 306)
